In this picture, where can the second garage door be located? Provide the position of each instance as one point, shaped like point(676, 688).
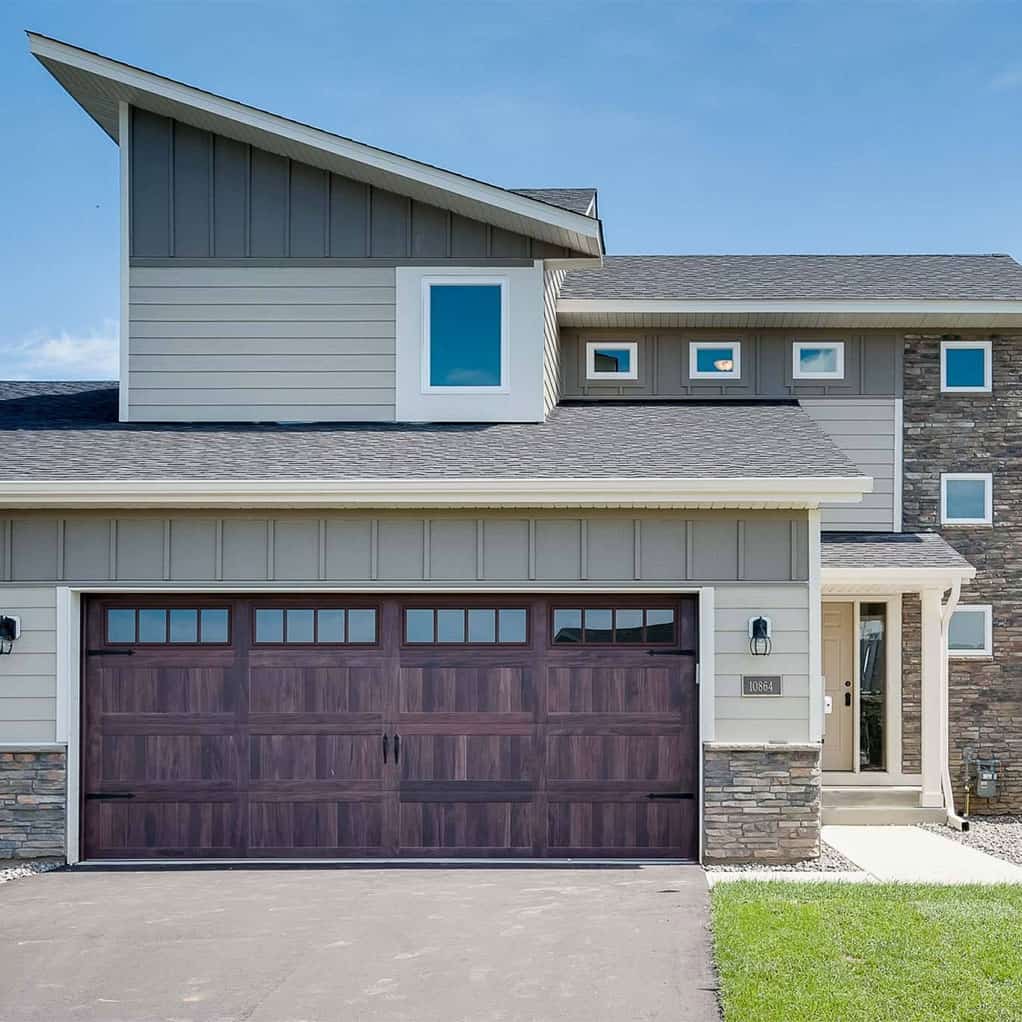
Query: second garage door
point(366, 726)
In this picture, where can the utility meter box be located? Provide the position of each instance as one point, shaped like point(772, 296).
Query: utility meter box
point(986, 778)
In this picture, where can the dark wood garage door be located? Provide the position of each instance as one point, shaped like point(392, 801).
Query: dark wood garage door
point(329, 726)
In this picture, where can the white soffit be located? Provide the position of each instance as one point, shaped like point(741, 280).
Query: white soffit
point(99, 84)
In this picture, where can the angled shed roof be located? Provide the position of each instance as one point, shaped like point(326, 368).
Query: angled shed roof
point(99, 84)
point(578, 200)
point(871, 550)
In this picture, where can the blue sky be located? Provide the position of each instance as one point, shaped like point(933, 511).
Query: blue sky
point(707, 127)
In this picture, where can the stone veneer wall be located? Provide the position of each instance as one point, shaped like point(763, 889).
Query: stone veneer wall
point(33, 796)
point(761, 803)
point(975, 433)
point(911, 684)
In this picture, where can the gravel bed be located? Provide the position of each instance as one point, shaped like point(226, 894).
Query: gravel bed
point(14, 869)
point(830, 861)
point(997, 835)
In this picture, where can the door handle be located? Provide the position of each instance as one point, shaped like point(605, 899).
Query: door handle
point(397, 748)
point(386, 743)
point(848, 699)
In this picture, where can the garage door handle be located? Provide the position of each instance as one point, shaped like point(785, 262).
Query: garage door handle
point(397, 748)
point(386, 743)
point(675, 796)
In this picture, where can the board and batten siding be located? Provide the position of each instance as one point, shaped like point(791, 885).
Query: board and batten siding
point(28, 677)
point(865, 430)
point(262, 344)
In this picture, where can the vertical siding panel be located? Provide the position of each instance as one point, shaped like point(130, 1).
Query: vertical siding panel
point(430, 231)
point(349, 217)
point(192, 211)
point(390, 220)
point(150, 184)
point(468, 238)
point(230, 197)
point(268, 215)
point(309, 211)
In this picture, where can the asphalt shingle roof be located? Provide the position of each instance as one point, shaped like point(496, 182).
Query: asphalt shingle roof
point(809, 277)
point(575, 200)
point(70, 431)
point(888, 550)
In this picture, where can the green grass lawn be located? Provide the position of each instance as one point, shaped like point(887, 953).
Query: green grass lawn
point(791, 952)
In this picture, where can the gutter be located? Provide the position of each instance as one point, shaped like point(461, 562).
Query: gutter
point(751, 492)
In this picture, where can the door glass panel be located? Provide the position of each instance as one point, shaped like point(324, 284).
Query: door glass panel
point(567, 625)
point(599, 625)
point(213, 624)
point(330, 626)
point(872, 685)
point(120, 625)
point(660, 626)
point(184, 626)
point(269, 626)
point(152, 625)
point(450, 625)
point(418, 625)
point(512, 624)
point(482, 625)
point(362, 625)
point(300, 625)
point(628, 625)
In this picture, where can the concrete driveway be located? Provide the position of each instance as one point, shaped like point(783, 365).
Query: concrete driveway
point(571, 945)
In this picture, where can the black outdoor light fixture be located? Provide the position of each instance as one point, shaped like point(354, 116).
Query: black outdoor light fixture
point(760, 641)
point(10, 629)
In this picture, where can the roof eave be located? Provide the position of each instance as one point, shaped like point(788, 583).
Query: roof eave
point(205, 110)
point(893, 580)
point(769, 493)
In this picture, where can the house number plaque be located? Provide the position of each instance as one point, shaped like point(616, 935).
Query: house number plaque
point(761, 684)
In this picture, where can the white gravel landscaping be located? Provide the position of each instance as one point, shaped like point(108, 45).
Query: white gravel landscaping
point(996, 835)
point(15, 869)
point(830, 861)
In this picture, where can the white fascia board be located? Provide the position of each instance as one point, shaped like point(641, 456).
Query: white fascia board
point(769, 492)
point(124, 82)
point(893, 579)
point(670, 306)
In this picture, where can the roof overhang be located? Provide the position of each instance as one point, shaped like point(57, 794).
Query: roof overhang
point(785, 313)
point(100, 84)
point(755, 493)
point(893, 580)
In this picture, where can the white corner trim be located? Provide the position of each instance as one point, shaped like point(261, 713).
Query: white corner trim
point(125, 82)
point(986, 348)
point(798, 373)
point(124, 327)
point(899, 463)
point(815, 631)
point(768, 492)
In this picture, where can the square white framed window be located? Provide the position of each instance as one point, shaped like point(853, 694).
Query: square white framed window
point(612, 360)
point(971, 631)
point(464, 335)
point(715, 360)
point(966, 498)
point(966, 367)
point(818, 360)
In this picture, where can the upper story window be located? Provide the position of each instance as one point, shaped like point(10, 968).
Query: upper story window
point(970, 631)
point(965, 367)
point(818, 360)
point(966, 498)
point(715, 360)
point(465, 327)
point(612, 360)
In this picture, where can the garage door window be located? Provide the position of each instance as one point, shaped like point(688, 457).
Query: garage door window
point(311, 626)
point(158, 626)
point(612, 626)
point(446, 626)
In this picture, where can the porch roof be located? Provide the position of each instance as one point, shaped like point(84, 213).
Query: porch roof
point(890, 562)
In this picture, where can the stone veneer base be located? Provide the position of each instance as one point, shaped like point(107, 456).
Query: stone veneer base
point(33, 798)
point(761, 802)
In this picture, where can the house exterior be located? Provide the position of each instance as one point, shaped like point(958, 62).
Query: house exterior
point(418, 526)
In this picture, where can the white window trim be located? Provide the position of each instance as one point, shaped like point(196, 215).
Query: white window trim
point(988, 371)
point(987, 611)
point(505, 367)
point(797, 373)
point(694, 347)
point(592, 373)
point(988, 502)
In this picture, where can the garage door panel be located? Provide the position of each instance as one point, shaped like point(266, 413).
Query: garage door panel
point(184, 688)
point(350, 689)
point(161, 759)
point(580, 687)
point(466, 828)
point(467, 689)
point(156, 827)
point(476, 757)
point(307, 757)
point(620, 829)
point(614, 757)
point(320, 827)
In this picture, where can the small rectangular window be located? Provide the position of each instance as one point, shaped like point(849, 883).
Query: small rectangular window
point(330, 625)
point(152, 625)
point(362, 625)
point(461, 625)
point(966, 498)
point(482, 625)
point(612, 360)
point(567, 625)
point(120, 625)
point(450, 625)
point(603, 626)
point(297, 626)
point(269, 625)
point(966, 367)
point(818, 360)
point(156, 626)
point(465, 335)
point(715, 360)
point(300, 625)
point(970, 632)
point(513, 624)
point(214, 625)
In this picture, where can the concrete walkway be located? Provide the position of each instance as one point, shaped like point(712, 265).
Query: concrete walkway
point(912, 855)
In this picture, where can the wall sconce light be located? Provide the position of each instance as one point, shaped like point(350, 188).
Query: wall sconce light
point(10, 629)
point(760, 636)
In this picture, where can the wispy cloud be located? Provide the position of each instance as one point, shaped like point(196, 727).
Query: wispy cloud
point(1011, 79)
point(45, 355)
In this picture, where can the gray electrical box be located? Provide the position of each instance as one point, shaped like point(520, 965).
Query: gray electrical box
point(986, 778)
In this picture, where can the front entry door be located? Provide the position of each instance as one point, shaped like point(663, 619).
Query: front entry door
point(838, 673)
